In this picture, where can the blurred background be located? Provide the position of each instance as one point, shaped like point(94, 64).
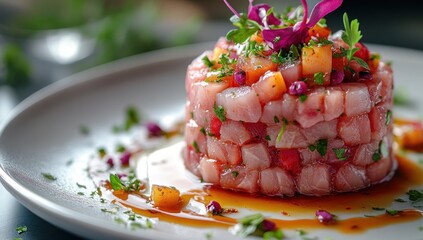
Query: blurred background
point(42, 41)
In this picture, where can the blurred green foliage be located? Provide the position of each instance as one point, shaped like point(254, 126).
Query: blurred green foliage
point(16, 68)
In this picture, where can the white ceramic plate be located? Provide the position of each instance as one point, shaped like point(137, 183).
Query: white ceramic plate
point(42, 135)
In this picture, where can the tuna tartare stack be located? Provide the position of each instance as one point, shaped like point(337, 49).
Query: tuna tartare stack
point(283, 106)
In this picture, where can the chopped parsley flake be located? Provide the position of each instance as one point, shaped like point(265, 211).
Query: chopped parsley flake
point(284, 124)
point(80, 193)
point(195, 145)
point(318, 78)
point(132, 118)
point(388, 117)
point(415, 195)
point(49, 176)
point(235, 174)
point(209, 236)
point(203, 131)
point(81, 186)
point(276, 119)
point(267, 138)
point(302, 98)
point(120, 220)
point(220, 112)
point(209, 63)
point(101, 152)
point(340, 153)
point(376, 156)
point(392, 212)
point(120, 148)
point(321, 147)
point(253, 225)
point(378, 208)
point(21, 229)
point(400, 200)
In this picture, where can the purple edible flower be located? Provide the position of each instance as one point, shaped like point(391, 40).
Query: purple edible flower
point(124, 158)
point(232, 9)
point(297, 88)
point(110, 162)
point(285, 37)
point(214, 208)
point(267, 225)
point(154, 129)
point(240, 77)
point(325, 217)
point(258, 13)
point(121, 175)
point(337, 77)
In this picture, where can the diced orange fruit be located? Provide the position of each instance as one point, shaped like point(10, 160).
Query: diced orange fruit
point(316, 59)
point(164, 196)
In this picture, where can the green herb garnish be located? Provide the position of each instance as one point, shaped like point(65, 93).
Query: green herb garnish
point(376, 156)
point(132, 118)
point(235, 174)
point(252, 225)
point(49, 176)
point(81, 186)
point(220, 112)
point(415, 195)
point(340, 153)
point(392, 212)
point(21, 229)
point(321, 147)
point(195, 145)
point(276, 119)
point(209, 63)
point(16, 67)
point(284, 124)
point(120, 148)
point(267, 137)
point(318, 78)
point(246, 28)
point(84, 130)
point(101, 152)
point(115, 182)
point(388, 117)
point(302, 98)
point(352, 36)
point(203, 131)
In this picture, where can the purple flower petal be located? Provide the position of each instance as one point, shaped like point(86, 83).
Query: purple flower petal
point(231, 8)
point(324, 216)
point(322, 9)
point(337, 77)
point(214, 208)
point(154, 129)
point(285, 37)
point(255, 15)
point(110, 162)
point(124, 158)
point(268, 225)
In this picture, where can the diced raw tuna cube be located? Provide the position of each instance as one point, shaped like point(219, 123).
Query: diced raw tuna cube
point(276, 182)
point(255, 156)
point(355, 130)
point(322, 130)
point(357, 99)
point(209, 170)
point(240, 104)
point(272, 113)
point(310, 111)
point(350, 178)
point(225, 152)
point(314, 180)
point(235, 132)
point(364, 153)
point(292, 137)
point(333, 103)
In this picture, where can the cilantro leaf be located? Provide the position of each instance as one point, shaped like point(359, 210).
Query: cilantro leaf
point(240, 35)
point(415, 195)
point(321, 147)
point(318, 78)
point(209, 63)
point(21, 229)
point(115, 182)
point(351, 36)
point(392, 212)
point(220, 112)
point(340, 153)
point(284, 123)
point(49, 176)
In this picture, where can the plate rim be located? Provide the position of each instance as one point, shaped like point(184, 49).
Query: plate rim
point(57, 214)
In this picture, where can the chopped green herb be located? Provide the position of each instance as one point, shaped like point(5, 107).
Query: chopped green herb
point(203, 131)
point(120, 148)
point(21, 229)
point(111, 211)
point(208, 62)
point(254, 48)
point(321, 147)
point(267, 138)
point(115, 182)
point(81, 186)
point(318, 78)
point(101, 152)
point(284, 124)
point(132, 118)
point(392, 212)
point(195, 145)
point(388, 117)
point(246, 28)
point(271, 235)
point(301, 232)
point(340, 153)
point(49, 176)
point(220, 112)
point(136, 225)
point(368, 216)
point(302, 98)
point(80, 193)
point(276, 119)
point(84, 130)
point(400, 200)
point(376, 156)
point(120, 220)
point(352, 36)
point(235, 174)
point(415, 195)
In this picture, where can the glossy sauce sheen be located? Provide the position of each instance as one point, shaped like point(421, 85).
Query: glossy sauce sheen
point(295, 212)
